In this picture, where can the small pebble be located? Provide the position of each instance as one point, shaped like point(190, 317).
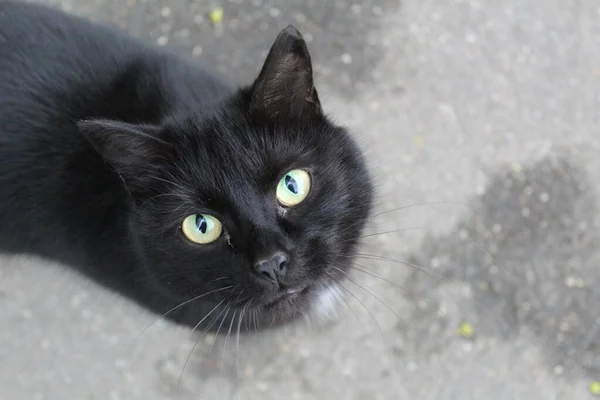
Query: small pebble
point(165, 12)
point(284, 348)
point(162, 41)
point(249, 371)
point(274, 12)
point(411, 366)
point(209, 339)
point(466, 330)
point(544, 197)
point(346, 58)
point(197, 51)
point(418, 140)
point(595, 388)
point(574, 282)
point(216, 15)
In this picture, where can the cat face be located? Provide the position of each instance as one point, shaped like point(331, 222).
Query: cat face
point(255, 205)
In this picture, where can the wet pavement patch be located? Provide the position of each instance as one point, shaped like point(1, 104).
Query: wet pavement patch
point(526, 259)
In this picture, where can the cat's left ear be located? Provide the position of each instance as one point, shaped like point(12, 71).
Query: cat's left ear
point(130, 148)
point(284, 88)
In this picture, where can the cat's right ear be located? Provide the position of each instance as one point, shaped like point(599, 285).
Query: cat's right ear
point(130, 148)
point(284, 88)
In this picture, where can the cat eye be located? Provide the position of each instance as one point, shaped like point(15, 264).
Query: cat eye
point(201, 228)
point(293, 188)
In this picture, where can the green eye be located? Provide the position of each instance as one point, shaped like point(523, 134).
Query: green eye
point(201, 229)
point(293, 188)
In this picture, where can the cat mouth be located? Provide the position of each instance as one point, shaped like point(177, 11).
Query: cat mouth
point(287, 295)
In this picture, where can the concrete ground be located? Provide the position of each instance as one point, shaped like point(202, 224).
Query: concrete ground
point(480, 120)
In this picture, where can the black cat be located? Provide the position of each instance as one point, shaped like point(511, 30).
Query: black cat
point(147, 173)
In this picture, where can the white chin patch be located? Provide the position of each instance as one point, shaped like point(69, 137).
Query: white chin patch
point(327, 302)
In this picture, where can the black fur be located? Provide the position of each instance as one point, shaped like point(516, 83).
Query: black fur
point(107, 144)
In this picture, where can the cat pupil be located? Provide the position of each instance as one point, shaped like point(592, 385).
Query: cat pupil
point(201, 223)
point(291, 184)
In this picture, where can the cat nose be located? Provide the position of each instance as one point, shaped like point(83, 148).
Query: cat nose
point(272, 268)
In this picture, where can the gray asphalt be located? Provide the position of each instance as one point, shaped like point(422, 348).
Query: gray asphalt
point(480, 121)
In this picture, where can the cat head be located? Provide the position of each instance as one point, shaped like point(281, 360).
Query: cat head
point(254, 204)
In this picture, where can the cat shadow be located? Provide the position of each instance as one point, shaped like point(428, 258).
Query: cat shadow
point(525, 260)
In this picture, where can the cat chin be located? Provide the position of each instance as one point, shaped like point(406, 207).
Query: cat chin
point(319, 304)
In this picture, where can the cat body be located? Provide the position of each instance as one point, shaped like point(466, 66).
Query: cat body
point(159, 180)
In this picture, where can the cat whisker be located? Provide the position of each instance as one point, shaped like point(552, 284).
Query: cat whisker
point(199, 337)
point(187, 360)
point(204, 318)
point(349, 277)
point(367, 272)
point(255, 316)
point(427, 271)
point(341, 299)
point(357, 299)
point(430, 203)
point(353, 225)
point(173, 310)
point(219, 330)
point(360, 302)
point(367, 235)
point(237, 341)
point(226, 342)
point(383, 339)
point(484, 251)
point(364, 270)
point(392, 231)
point(247, 320)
